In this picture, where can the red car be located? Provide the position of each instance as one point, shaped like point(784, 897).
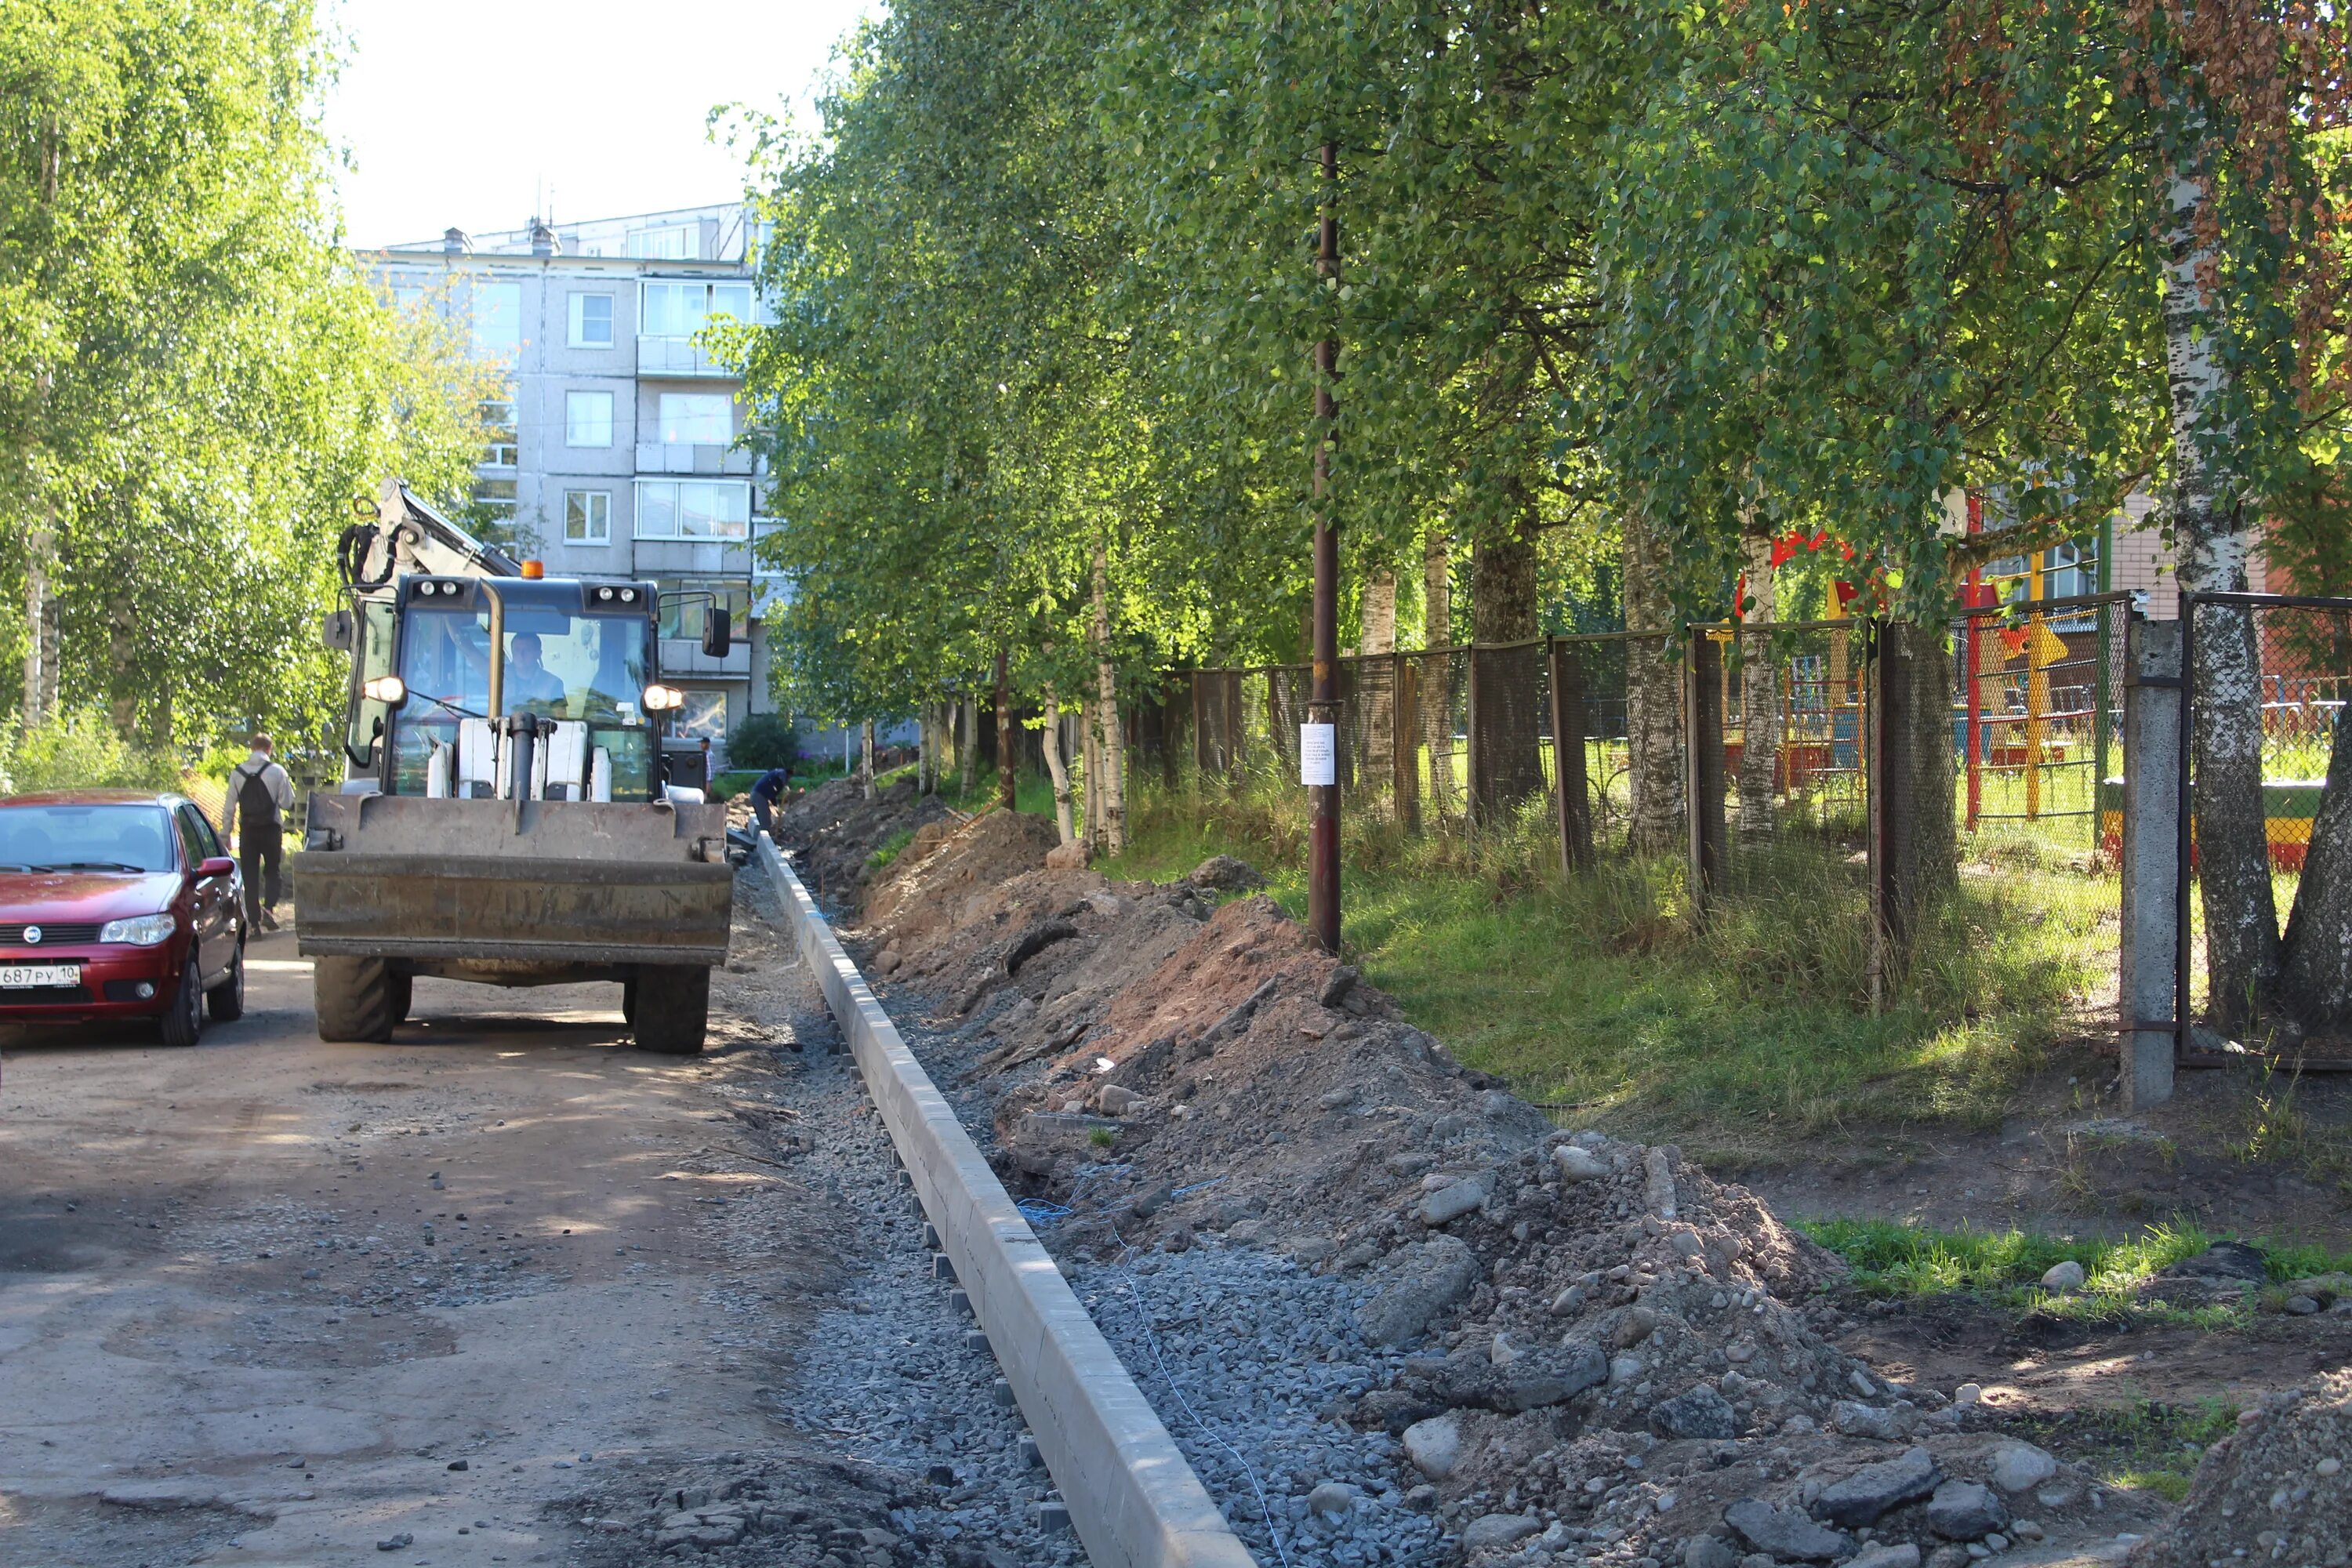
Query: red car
point(117, 905)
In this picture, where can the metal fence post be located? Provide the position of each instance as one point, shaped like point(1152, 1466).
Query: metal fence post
point(1703, 760)
point(1570, 789)
point(2149, 999)
point(1405, 741)
point(1474, 730)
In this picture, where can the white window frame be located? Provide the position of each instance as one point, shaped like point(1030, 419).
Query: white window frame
point(653, 244)
point(571, 427)
point(638, 526)
point(709, 285)
point(576, 316)
point(588, 518)
point(661, 418)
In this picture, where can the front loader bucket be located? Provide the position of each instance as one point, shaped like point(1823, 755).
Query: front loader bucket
point(506, 881)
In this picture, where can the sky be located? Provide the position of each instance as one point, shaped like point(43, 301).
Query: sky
point(470, 113)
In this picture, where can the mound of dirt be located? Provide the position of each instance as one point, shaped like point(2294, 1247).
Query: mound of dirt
point(1610, 1348)
point(834, 830)
point(2278, 1491)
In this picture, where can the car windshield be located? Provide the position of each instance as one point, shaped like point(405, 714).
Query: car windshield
point(130, 838)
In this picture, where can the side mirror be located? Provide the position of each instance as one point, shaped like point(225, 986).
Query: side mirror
point(335, 631)
point(216, 866)
point(717, 631)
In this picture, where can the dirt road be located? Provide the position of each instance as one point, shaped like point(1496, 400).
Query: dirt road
point(272, 1301)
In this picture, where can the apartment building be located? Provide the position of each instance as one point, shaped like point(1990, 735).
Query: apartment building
point(612, 452)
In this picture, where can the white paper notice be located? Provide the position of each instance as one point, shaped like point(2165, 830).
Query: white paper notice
point(1318, 754)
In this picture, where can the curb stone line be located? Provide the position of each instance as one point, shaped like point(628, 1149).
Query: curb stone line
point(1133, 1500)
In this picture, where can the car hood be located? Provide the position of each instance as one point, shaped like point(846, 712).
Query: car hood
point(39, 896)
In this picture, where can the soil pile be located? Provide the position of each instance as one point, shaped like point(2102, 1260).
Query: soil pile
point(832, 832)
point(1617, 1357)
point(2278, 1490)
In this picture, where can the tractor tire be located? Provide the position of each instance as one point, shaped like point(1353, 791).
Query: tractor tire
point(352, 998)
point(184, 1019)
point(404, 992)
point(628, 1000)
point(673, 1008)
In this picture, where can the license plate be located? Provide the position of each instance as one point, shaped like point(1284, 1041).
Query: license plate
point(23, 976)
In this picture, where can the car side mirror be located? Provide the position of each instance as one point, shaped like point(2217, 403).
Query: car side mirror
point(216, 866)
point(336, 630)
point(717, 631)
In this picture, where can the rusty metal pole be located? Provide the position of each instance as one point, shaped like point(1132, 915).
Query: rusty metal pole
point(1317, 745)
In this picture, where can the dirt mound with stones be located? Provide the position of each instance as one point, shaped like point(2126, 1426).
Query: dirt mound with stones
point(1613, 1356)
point(833, 832)
point(2278, 1490)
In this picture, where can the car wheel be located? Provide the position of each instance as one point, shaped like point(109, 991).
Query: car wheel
point(673, 1007)
point(352, 998)
point(225, 1003)
point(184, 1017)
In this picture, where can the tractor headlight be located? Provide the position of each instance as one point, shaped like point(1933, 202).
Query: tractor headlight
point(386, 688)
point(662, 698)
point(140, 931)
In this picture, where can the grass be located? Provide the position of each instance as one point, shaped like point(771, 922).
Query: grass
point(2147, 1446)
point(1744, 1035)
point(1895, 1260)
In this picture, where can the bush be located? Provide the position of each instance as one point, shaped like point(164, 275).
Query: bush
point(79, 750)
point(764, 740)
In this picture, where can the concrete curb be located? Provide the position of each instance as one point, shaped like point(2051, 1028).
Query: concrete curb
point(1133, 1500)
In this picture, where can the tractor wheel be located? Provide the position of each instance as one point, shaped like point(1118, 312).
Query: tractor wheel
point(403, 991)
point(352, 998)
point(673, 1008)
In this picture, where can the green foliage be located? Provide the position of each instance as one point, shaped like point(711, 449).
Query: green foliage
point(764, 740)
point(79, 750)
point(194, 380)
point(889, 850)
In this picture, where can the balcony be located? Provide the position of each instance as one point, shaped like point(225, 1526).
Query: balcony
point(673, 458)
point(680, 357)
point(693, 558)
point(684, 656)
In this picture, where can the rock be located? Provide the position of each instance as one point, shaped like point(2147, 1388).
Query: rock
point(2302, 1306)
point(1434, 1446)
point(2020, 1467)
point(1420, 1281)
point(1698, 1411)
point(1117, 1099)
point(1334, 990)
point(1500, 1351)
point(1902, 1555)
point(1070, 856)
point(1625, 1369)
point(1707, 1551)
point(1863, 1496)
point(1568, 1302)
point(2065, 1279)
point(2225, 1261)
point(1857, 1420)
point(1576, 1164)
point(1493, 1531)
point(1949, 1557)
point(1636, 1326)
point(1452, 1201)
point(1965, 1510)
point(1332, 1500)
point(1224, 874)
point(1658, 1181)
point(394, 1543)
point(1784, 1533)
point(1967, 1393)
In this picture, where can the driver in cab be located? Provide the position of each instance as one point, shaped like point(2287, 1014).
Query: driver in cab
point(530, 682)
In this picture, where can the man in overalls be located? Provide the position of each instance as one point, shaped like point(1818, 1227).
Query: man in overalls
point(260, 794)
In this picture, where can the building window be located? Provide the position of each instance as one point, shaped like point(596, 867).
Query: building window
point(495, 499)
point(671, 242)
point(704, 714)
point(693, 508)
point(591, 321)
point(684, 602)
point(501, 448)
point(682, 309)
point(407, 297)
point(587, 418)
point(697, 419)
point(587, 517)
point(498, 318)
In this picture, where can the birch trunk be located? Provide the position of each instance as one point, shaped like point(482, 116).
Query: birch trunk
point(1049, 740)
point(1110, 756)
point(1760, 695)
point(2212, 544)
point(1007, 781)
point(866, 758)
point(1379, 641)
point(1436, 690)
point(1653, 695)
point(968, 747)
point(39, 677)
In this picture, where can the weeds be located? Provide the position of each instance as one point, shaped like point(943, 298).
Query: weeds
point(889, 850)
point(1742, 1035)
point(2147, 1446)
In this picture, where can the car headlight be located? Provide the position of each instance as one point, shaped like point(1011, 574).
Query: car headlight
point(140, 931)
